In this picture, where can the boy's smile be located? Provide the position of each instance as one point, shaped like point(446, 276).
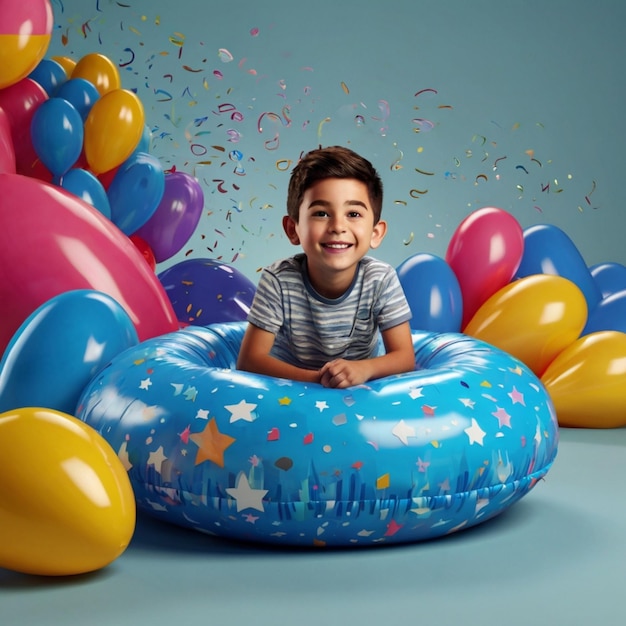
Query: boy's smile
point(336, 230)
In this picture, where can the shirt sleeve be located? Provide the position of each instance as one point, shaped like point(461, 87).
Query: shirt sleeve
point(266, 311)
point(395, 309)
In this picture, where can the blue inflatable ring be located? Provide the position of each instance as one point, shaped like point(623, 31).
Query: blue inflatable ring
point(250, 457)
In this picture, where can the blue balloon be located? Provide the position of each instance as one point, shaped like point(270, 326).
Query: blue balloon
point(60, 347)
point(87, 187)
point(57, 134)
point(81, 93)
point(145, 141)
point(50, 75)
point(609, 314)
point(609, 277)
point(433, 293)
point(136, 191)
point(549, 250)
point(204, 291)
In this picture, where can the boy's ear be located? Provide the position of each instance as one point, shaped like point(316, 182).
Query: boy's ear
point(289, 226)
point(378, 234)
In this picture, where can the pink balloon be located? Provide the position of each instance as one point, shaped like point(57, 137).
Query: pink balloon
point(484, 253)
point(20, 101)
point(7, 151)
point(52, 242)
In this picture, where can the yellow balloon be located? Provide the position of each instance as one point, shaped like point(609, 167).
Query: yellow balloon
point(533, 318)
point(67, 63)
point(113, 129)
point(587, 381)
point(66, 503)
point(98, 70)
point(20, 55)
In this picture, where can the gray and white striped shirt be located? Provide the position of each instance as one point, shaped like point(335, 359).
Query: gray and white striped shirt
point(311, 330)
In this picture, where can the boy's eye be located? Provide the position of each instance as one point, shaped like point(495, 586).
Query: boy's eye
point(320, 213)
point(354, 214)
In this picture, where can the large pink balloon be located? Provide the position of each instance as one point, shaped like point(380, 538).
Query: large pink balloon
point(52, 242)
point(484, 253)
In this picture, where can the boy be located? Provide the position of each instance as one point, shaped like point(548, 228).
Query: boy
point(315, 316)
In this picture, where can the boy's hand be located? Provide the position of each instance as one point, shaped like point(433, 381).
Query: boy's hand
point(342, 373)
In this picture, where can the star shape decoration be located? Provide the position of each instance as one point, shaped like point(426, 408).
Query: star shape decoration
point(504, 419)
point(475, 433)
point(191, 393)
point(251, 519)
point(422, 466)
point(403, 431)
point(284, 401)
point(321, 405)
point(245, 496)
point(241, 411)
point(202, 414)
point(156, 458)
point(416, 392)
point(211, 444)
point(467, 402)
point(145, 384)
point(517, 396)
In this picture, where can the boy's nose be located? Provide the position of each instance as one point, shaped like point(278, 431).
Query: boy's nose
point(336, 225)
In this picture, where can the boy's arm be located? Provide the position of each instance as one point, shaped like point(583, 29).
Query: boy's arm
point(254, 356)
point(399, 357)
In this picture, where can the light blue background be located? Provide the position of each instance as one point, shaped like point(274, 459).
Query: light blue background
point(524, 80)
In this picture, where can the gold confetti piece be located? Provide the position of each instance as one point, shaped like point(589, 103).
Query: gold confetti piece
point(383, 482)
point(345, 88)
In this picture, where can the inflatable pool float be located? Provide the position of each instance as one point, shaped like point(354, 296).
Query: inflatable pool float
point(250, 457)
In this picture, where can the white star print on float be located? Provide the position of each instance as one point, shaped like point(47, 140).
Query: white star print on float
point(475, 433)
point(241, 411)
point(246, 497)
point(403, 431)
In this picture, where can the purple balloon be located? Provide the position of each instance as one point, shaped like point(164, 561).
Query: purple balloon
point(176, 217)
point(204, 291)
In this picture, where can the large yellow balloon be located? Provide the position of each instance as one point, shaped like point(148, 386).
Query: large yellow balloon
point(587, 381)
point(98, 70)
point(533, 318)
point(113, 129)
point(66, 503)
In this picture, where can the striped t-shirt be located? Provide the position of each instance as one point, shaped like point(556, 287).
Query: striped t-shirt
point(311, 330)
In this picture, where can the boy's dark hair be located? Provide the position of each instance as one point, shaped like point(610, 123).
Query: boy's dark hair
point(333, 162)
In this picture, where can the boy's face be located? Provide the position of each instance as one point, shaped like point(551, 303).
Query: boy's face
point(335, 227)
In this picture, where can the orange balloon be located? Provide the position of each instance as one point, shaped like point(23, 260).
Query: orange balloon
point(67, 63)
point(533, 318)
point(98, 70)
point(113, 129)
point(66, 504)
point(587, 381)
